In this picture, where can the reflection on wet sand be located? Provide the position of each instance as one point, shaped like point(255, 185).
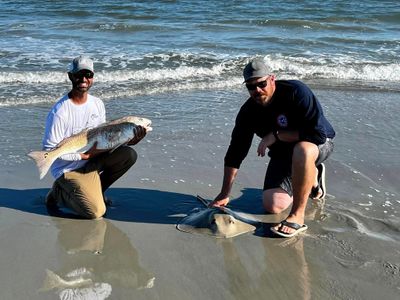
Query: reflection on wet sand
point(285, 273)
point(315, 210)
point(96, 257)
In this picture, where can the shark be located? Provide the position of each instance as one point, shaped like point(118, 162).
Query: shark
point(220, 222)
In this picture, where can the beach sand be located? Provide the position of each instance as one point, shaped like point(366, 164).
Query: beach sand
point(350, 251)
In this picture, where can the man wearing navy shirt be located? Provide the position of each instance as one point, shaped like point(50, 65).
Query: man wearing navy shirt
point(289, 119)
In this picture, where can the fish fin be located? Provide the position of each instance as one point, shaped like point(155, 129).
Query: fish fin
point(43, 161)
point(52, 281)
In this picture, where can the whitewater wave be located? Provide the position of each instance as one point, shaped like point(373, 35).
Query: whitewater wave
point(178, 67)
point(184, 72)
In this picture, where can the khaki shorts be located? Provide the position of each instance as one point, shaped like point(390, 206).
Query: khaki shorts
point(82, 190)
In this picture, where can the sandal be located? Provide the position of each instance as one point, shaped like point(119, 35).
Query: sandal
point(297, 227)
point(319, 191)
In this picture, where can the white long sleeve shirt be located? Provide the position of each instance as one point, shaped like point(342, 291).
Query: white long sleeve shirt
point(65, 119)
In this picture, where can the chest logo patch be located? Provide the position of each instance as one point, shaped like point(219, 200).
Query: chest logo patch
point(282, 121)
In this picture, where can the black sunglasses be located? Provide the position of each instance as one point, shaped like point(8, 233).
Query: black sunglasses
point(253, 86)
point(86, 74)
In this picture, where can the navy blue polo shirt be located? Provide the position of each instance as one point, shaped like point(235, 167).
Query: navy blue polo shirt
point(293, 106)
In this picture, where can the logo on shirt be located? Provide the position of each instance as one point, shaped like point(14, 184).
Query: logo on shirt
point(92, 121)
point(282, 121)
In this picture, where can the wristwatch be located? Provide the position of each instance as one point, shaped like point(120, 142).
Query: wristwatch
point(275, 133)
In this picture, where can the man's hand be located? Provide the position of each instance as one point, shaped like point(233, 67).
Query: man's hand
point(139, 135)
point(223, 197)
point(265, 142)
point(92, 152)
point(220, 200)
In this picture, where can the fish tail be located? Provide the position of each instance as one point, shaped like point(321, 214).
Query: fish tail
point(52, 281)
point(43, 160)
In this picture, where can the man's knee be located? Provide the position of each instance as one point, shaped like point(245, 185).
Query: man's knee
point(94, 212)
point(304, 151)
point(88, 206)
point(130, 155)
point(276, 200)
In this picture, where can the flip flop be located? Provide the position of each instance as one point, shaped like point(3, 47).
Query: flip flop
point(297, 227)
point(321, 184)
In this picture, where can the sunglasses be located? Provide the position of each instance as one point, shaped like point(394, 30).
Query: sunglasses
point(253, 86)
point(86, 74)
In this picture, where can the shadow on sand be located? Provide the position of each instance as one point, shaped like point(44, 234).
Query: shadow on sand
point(130, 204)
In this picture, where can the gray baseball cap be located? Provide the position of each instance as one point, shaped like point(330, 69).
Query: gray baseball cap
point(254, 69)
point(81, 62)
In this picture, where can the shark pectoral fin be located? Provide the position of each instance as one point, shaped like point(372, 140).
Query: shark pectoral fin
point(239, 228)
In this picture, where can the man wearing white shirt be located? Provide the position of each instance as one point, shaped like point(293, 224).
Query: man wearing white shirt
point(82, 178)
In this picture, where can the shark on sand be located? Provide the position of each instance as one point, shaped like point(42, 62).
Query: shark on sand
point(220, 222)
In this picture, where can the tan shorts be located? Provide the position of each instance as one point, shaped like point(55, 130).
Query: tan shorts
point(82, 190)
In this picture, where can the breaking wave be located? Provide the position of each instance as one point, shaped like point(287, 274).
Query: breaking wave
point(159, 73)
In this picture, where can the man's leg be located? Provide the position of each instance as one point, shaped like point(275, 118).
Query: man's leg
point(276, 200)
point(319, 189)
point(305, 155)
point(81, 191)
point(277, 194)
point(113, 165)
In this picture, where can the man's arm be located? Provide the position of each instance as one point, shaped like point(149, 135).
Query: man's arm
point(242, 136)
point(223, 197)
point(313, 127)
point(92, 152)
point(288, 136)
point(54, 133)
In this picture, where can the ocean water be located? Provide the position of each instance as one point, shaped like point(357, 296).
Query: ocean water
point(151, 47)
point(179, 63)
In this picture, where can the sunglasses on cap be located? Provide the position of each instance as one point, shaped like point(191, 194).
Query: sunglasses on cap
point(82, 74)
point(253, 86)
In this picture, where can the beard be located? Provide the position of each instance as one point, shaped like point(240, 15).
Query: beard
point(262, 99)
point(81, 88)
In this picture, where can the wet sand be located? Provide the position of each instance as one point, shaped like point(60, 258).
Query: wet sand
point(350, 251)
